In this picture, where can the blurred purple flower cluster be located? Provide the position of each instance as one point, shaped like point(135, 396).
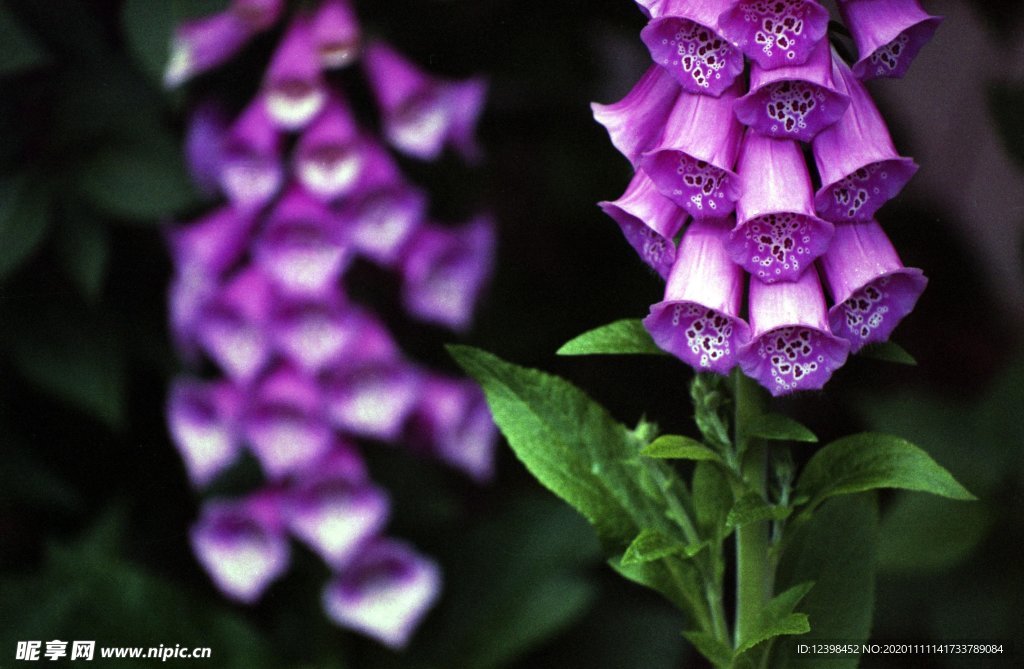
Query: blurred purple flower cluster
point(726, 150)
point(301, 370)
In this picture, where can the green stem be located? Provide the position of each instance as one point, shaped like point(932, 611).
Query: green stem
point(754, 572)
point(712, 587)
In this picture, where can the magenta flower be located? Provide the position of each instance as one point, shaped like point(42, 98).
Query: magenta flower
point(312, 333)
point(294, 90)
point(777, 236)
point(444, 271)
point(203, 420)
point(888, 33)
point(336, 34)
point(684, 38)
point(335, 513)
point(636, 122)
point(871, 289)
point(371, 397)
point(423, 114)
point(213, 244)
point(858, 164)
point(383, 210)
point(452, 422)
point(203, 44)
point(328, 157)
point(384, 592)
point(775, 33)
point(298, 368)
point(699, 319)
point(251, 169)
point(793, 102)
point(791, 347)
point(284, 422)
point(242, 545)
point(693, 163)
point(650, 222)
point(258, 14)
point(204, 138)
point(231, 325)
point(300, 247)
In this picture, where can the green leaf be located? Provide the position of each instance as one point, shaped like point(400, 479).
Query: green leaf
point(652, 545)
point(144, 182)
point(575, 449)
point(835, 551)
point(24, 221)
point(719, 654)
point(19, 49)
point(83, 364)
point(867, 461)
point(673, 446)
point(712, 499)
point(777, 427)
point(83, 244)
point(888, 351)
point(751, 508)
point(627, 336)
point(921, 535)
point(778, 618)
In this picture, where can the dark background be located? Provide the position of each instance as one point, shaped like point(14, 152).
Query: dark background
point(94, 502)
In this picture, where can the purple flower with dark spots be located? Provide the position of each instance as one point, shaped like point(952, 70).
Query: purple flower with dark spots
point(294, 90)
point(187, 296)
point(888, 34)
point(636, 122)
point(203, 421)
point(284, 422)
point(300, 246)
point(793, 102)
point(871, 289)
point(699, 319)
point(452, 422)
point(683, 37)
point(329, 156)
point(791, 347)
point(444, 271)
point(384, 593)
point(777, 236)
point(649, 221)
point(335, 514)
point(421, 113)
point(242, 544)
point(775, 33)
point(251, 169)
point(858, 164)
point(231, 325)
point(693, 162)
point(336, 34)
point(203, 44)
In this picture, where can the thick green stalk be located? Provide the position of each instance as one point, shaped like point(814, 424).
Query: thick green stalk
point(754, 572)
